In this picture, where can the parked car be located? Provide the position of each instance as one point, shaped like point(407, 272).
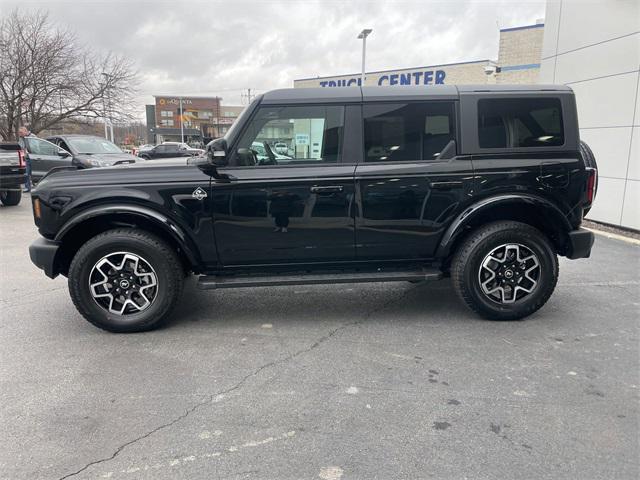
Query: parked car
point(487, 185)
point(281, 148)
point(185, 146)
point(163, 150)
point(142, 148)
point(80, 151)
point(266, 156)
point(12, 172)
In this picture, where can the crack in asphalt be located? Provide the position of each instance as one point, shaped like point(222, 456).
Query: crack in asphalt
point(211, 398)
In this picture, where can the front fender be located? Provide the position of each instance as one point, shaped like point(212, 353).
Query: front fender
point(551, 213)
point(164, 222)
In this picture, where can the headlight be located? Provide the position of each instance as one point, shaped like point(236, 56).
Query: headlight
point(94, 162)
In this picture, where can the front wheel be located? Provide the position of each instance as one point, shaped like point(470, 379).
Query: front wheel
point(505, 270)
point(10, 198)
point(125, 280)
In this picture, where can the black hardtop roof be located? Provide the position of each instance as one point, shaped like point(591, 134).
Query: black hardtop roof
point(386, 93)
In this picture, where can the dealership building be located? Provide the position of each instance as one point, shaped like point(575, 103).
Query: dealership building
point(594, 47)
point(519, 55)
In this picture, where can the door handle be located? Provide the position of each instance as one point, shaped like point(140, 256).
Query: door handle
point(327, 189)
point(445, 185)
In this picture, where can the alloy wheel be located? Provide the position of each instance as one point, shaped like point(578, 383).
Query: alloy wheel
point(123, 283)
point(508, 273)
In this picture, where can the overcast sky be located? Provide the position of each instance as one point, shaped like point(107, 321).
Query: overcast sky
point(224, 47)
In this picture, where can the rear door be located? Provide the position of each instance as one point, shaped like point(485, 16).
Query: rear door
point(411, 182)
point(289, 209)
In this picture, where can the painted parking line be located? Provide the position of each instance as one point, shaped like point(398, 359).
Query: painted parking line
point(615, 236)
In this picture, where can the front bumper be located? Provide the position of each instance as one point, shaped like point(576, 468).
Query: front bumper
point(580, 243)
point(43, 254)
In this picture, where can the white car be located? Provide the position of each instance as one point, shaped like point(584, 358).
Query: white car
point(281, 148)
point(263, 156)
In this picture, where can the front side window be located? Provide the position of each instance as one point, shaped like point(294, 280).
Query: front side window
point(520, 123)
point(315, 132)
point(407, 132)
point(37, 146)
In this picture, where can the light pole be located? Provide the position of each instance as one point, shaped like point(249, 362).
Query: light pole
point(363, 35)
point(181, 122)
point(106, 90)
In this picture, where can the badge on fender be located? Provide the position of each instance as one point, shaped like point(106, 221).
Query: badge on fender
point(199, 194)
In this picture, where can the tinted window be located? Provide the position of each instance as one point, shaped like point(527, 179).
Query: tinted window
point(520, 122)
point(314, 134)
point(413, 131)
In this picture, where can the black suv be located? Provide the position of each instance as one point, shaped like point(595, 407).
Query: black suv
point(165, 151)
point(486, 184)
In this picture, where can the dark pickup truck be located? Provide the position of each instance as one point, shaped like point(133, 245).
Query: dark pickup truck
point(487, 185)
point(12, 172)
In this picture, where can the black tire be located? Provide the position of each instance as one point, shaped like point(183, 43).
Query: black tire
point(468, 259)
point(10, 198)
point(589, 160)
point(152, 250)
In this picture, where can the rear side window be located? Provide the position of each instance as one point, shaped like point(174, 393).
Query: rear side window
point(520, 122)
point(407, 132)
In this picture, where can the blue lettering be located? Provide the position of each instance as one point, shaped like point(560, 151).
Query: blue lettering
point(383, 78)
point(405, 79)
point(416, 77)
point(428, 77)
point(351, 81)
point(440, 74)
point(393, 79)
point(323, 84)
point(332, 83)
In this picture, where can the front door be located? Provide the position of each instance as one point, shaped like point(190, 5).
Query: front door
point(410, 183)
point(43, 156)
point(284, 209)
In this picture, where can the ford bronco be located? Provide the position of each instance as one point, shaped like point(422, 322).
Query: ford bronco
point(487, 185)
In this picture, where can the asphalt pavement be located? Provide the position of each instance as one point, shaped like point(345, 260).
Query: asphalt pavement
point(373, 381)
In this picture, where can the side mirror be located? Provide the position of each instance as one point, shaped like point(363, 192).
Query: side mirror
point(62, 153)
point(217, 152)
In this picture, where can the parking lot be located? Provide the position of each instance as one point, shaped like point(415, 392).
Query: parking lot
point(370, 381)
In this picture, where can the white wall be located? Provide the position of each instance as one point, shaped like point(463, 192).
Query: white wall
point(594, 47)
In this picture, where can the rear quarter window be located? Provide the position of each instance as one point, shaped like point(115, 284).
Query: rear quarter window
point(520, 123)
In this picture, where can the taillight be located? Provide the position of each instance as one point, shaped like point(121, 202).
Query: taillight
point(591, 184)
point(21, 157)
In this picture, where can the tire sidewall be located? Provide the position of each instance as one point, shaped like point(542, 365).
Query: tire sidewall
point(546, 282)
point(87, 258)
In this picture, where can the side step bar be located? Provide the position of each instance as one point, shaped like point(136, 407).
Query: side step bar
point(208, 282)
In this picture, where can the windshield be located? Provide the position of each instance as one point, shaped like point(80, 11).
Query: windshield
point(92, 145)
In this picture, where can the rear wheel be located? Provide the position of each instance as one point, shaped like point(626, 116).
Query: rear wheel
point(505, 270)
point(125, 280)
point(10, 198)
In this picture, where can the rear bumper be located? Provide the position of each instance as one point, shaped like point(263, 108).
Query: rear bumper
point(580, 243)
point(43, 255)
point(12, 178)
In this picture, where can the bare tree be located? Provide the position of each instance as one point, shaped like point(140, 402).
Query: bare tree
point(46, 76)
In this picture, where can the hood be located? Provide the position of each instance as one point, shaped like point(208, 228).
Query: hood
point(153, 171)
point(104, 159)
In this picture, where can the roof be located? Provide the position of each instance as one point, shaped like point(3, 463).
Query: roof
point(405, 92)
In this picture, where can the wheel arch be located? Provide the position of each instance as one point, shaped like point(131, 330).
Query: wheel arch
point(532, 210)
point(74, 233)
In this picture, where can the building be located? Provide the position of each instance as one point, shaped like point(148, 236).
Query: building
point(594, 47)
point(518, 62)
point(198, 119)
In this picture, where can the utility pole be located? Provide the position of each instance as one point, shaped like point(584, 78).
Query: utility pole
point(363, 35)
point(249, 96)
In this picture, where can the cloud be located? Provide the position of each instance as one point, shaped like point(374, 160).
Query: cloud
point(222, 47)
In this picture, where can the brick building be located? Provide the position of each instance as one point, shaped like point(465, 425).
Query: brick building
point(201, 118)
